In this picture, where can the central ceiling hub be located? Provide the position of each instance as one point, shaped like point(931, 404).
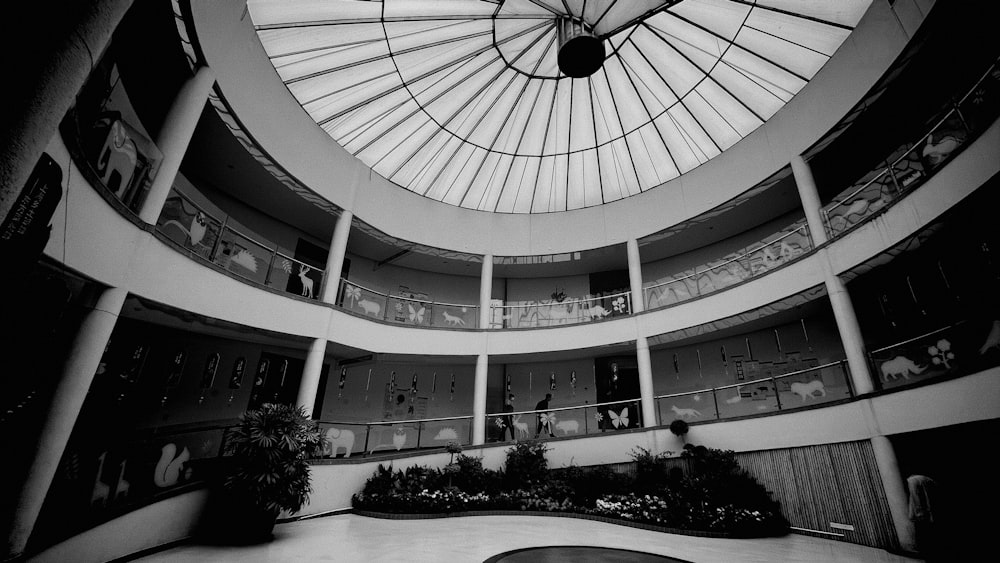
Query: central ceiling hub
point(581, 53)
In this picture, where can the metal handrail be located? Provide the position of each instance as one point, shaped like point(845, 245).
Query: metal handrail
point(885, 170)
point(557, 409)
point(564, 302)
point(401, 298)
point(392, 422)
point(914, 339)
point(708, 267)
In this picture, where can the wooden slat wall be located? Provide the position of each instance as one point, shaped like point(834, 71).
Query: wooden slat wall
point(827, 483)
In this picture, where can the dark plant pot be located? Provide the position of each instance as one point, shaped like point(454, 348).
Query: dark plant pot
point(233, 519)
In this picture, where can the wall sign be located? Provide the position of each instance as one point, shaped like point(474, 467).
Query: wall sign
point(25, 230)
point(176, 369)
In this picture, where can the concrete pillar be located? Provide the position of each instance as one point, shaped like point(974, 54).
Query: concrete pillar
point(635, 276)
point(840, 299)
point(335, 259)
point(646, 402)
point(56, 49)
point(479, 400)
point(309, 384)
point(485, 291)
point(849, 329)
point(895, 490)
point(809, 197)
point(74, 382)
point(174, 137)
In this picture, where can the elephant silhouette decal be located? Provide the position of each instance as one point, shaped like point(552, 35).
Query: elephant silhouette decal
point(340, 438)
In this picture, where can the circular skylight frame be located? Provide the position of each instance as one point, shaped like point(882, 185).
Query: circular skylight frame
point(463, 102)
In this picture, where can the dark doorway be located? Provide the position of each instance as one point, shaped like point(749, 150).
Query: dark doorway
point(617, 381)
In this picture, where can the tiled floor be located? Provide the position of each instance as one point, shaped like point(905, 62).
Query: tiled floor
point(473, 539)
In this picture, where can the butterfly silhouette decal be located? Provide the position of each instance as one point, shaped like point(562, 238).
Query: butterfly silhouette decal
point(619, 420)
point(416, 315)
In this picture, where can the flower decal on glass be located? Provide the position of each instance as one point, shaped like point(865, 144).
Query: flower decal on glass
point(941, 353)
point(598, 416)
point(548, 419)
point(619, 304)
point(286, 266)
point(499, 422)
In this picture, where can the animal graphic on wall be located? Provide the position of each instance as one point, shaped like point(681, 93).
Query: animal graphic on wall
point(453, 320)
point(99, 494)
point(685, 413)
point(446, 433)
point(370, 307)
point(520, 427)
point(196, 231)
point(416, 315)
point(900, 366)
point(117, 159)
point(561, 314)
point(938, 147)
point(340, 438)
point(808, 390)
point(597, 312)
point(121, 489)
point(246, 259)
point(307, 282)
point(567, 426)
point(398, 441)
point(168, 469)
point(619, 420)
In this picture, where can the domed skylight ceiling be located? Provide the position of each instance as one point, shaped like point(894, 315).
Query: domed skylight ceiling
point(464, 101)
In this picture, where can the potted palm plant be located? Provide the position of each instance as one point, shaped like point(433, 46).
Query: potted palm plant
point(268, 469)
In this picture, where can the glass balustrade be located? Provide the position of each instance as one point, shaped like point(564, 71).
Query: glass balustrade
point(757, 260)
point(913, 162)
point(580, 420)
point(406, 310)
point(962, 348)
point(802, 388)
point(533, 314)
point(371, 438)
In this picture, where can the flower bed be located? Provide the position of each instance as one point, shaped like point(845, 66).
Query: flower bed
point(717, 498)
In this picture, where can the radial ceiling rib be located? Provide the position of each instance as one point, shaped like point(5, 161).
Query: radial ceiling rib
point(448, 99)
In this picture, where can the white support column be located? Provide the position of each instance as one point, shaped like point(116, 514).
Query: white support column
point(485, 291)
point(809, 197)
point(895, 490)
point(840, 299)
point(635, 276)
point(646, 401)
point(850, 331)
point(479, 401)
point(74, 382)
point(309, 385)
point(174, 138)
point(335, 259)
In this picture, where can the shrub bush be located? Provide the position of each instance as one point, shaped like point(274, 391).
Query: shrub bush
point(526, 465)
point(718, 495)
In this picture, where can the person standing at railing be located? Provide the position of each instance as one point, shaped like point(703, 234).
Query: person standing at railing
point(508, 420)
point(544, 417)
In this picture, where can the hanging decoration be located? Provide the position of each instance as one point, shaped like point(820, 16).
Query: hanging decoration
point(236, 380)
point(777, 342)
point(677, 370)
point(413, 385)
point(572, 381)
point(390, 388)
point(343, 380)
point(725, 360)
point(368, 384)
point(552, 381)
point(698, 351)
point(507, 382)
point(805, 334)
point(174, 374)
point(452, 392)
point(208, 376)
point(913, 294)
point(529, 386)
point(749, 351)
point(283, 370)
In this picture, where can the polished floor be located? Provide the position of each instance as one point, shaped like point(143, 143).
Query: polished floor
point(474, 539)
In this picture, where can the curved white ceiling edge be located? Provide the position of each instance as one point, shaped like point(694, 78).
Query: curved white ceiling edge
point(270, 113)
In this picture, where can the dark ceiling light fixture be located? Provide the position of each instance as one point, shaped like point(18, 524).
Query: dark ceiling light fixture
point(581, 53)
